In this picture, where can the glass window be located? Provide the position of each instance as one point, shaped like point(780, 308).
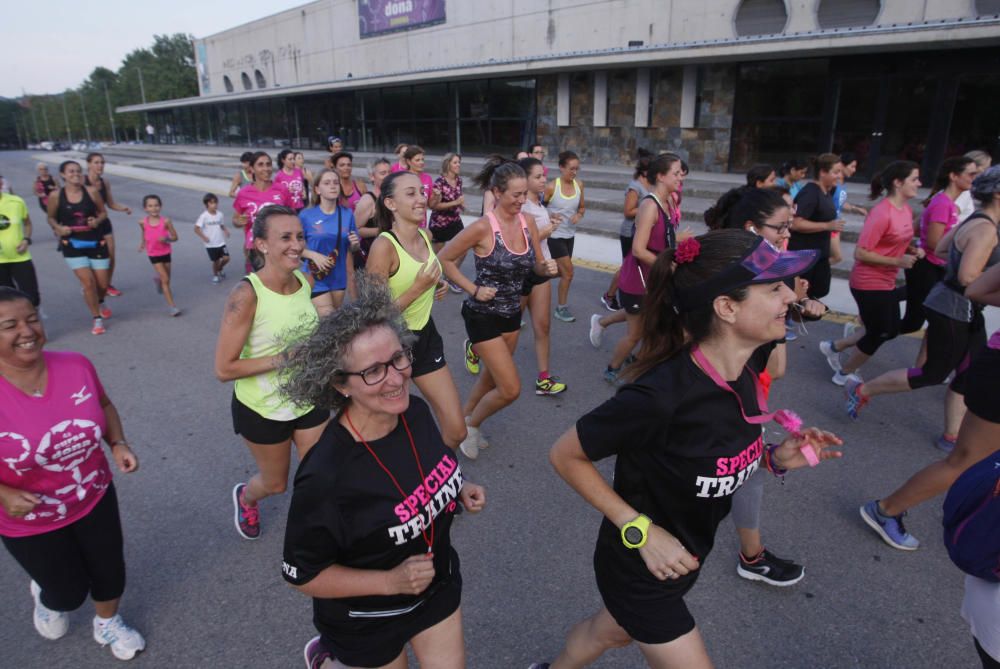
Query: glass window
point(431, 101)
point(975, 125)
point(228, 83)
point(512, 98)
point(760, 17)
point(245, 79)
point(259, 78)
point(397, 103)
point(473, 99)
point(847, 13)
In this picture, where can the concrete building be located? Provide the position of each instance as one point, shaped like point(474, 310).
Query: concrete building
point(726, 83)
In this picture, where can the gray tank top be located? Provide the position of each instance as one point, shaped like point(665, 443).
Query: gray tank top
point(567, 208)
point(947, 297)
point(627, 228)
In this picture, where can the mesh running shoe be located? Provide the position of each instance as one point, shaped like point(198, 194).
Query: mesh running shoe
point(770, 569)
point(890, 528)
point(50, 624)
point(855, 400)
point(471, 359)
point(104, 311)
point(216, 279)
point(455, 288)
point(563, 313)
point(175, 311)
point(98, 328)
point(832, 356)
point(610, 302)
point(114, 292)
point(470, 446)
point(125, 642)
point(596, 331)
point(246, 517)
point(550, 385)
point(315, 653)
point(839, 378)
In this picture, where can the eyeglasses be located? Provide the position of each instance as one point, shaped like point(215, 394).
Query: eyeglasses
point(781, 229)
point(401, 360)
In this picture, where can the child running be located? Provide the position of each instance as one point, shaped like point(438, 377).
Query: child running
point(211, 229)
point(157, 235)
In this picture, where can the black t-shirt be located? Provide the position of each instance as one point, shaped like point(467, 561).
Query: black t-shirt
point(813, 204)
point(683, 449)
point(345, 510)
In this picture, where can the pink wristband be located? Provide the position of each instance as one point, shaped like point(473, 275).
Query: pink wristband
point(809, 454)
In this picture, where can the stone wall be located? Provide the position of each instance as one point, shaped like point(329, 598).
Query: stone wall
point(705, 147)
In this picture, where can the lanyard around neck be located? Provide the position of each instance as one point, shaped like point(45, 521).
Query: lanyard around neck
point(713, 374)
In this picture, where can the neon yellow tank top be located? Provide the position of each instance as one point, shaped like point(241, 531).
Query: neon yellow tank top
point(419, 312)
point(276, 317)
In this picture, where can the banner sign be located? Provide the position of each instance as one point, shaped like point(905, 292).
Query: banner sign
point(378, 17)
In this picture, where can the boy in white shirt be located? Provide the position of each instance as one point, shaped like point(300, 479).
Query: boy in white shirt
point(212, 230)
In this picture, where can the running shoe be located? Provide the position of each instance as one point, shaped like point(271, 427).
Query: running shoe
point(471, 359)
point(610, 302)
point(596, 331)
point(103, 310)
point(50, 624)
point(790, 333)
point(550, 385)
point(611, 376)
point(175, 311)
point(943, 443)
point(216, 279)
point(246, 517)
point(832, 355)
point(125, 642)
point(114, 292)
point(98, 328)
point(855, 400)
point(455, 288)
point(849, 328)
point(222, 273)
point(890, 528)
point(315, 653)
point(840, 379)
point(563, 313)
point(482, 440)
point(470, 446)
point(159, 284)
point(770, 569)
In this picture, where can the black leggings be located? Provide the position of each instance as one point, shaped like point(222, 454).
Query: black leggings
point(988, 662)
point(21, 275)
point(879, 311)
point(82, 558)
point(919, 280)
point(818, 277)
point(951, 345)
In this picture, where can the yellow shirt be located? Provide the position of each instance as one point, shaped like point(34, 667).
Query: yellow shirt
point(13, 213)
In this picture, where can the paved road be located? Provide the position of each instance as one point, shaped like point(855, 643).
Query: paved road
point(205, 598)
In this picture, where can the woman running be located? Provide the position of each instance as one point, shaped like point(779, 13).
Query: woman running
point(266, 311)
point(350, 190)
point(537, 292)
point(884, 247)
point(637, 189)
point(59, 517)
point(16, 267)
point(507, 250)
point(369, 526)
point(292, 178)
point(75, 214)
point(955, 326)
point(95, 179)
point(157, 233)
point(400, 164)
point(331, 239)
point(447, 204)
point(792, 175)
point(956, 333)
point(964, 202)
point(307, 175)
point(815, 219)
point(254, 197)
point(415, 163)
point(687, 434)
point(364, 210)
point(44, 186)
point(761, 175)
point(402, 255)
point(654, 232)
point(570, 208)
point(850, 165)
point(244, 176)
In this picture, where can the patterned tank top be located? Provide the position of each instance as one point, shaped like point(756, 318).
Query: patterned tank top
point(504, 270)
point(350, 201)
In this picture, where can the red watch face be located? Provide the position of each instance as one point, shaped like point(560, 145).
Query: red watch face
point(633, 535)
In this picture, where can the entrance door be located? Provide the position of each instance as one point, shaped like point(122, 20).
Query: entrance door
point(859, 116)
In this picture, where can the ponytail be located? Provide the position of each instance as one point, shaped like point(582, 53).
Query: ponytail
point(885, 181)
point(952, 165)
point(496, 172)
point(717, 216)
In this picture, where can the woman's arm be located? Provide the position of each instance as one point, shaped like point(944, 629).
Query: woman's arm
point(364, 210)
point(777, 362)
point(352, 289)
point(111, 200)
point(472, 237)
point(631, 203)
point(581, 209)
point(237, 319)
point(171, 232)
point(979, 244)
point(411, 577)
point(644, 222)
point(115, 437)
point(870, 257)
point(935, 231)
point(234, 185)
point(800, 224)
point(102, 212)
point(543, 266)
point(986, 289)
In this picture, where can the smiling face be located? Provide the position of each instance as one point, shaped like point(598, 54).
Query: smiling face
point(288, 162)
point(328, 186)
point(152, 206)
point(388, 396)
point(455, 165)
point(908, 187)
point(776, 228)
point(511, 200)
point(284, 242)
point(407, 202)
point(761, 316)
point(830, 179)
point(22, 336)
point(672, 178)
point(416, 163)
point(262, 169)
point(72, 174)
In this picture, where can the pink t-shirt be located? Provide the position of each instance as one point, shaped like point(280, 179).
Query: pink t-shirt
point(941, 209)
point(995, 340)
point(51, 445)
point(398, 167)
point(295, 184)
point(251, 199)
point(888, 231)
point(153, 235)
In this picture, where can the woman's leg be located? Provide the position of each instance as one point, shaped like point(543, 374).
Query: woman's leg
point(541, 322)
point(613, 286)
point(324, 304)
point(617, 317)
point(103, 279)
point(400, 662)
point(89, 282)
point(624, 347)
point(589, 639)
point(747, 501)
point(565, 265)
point(163, 272)
point(497, 358)
point(686, 652)
point(441, 646)
point(273, 461)
point(305, 439)
point(110, 240)
point(438, 388)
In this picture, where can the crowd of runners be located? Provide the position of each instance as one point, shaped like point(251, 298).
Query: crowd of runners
point(334, 319)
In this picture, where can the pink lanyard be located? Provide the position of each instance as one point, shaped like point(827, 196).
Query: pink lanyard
point(719, 381)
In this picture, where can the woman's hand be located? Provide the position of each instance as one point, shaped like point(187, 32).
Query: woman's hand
point(547, 267)
point(355, 241)
point(126, 460)
point(906, 261)
point(428, 275)
point(836, 226)
point(472, 497)
point(18, 503)
point(686, 233)
point(63, 230)
point(789, 454)
point(441, 291)
point(484, 293)
point(812, 308)
point(324, 263)
point(91, 222)
point(240, 220)
point(665, 556)
point(412, 576)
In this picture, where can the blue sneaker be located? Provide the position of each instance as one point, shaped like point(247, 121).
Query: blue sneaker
point(855, 400)
point(890, 528)
point(790, 333)
point(611, 376)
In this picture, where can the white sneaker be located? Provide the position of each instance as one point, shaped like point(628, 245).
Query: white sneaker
point(832, 356)
point(596, 331)
point(482, 443)
point(125, 642)
point(470, 446)
point(849, 328)
point(840, 379)
point(216, 279)
point(50, 624)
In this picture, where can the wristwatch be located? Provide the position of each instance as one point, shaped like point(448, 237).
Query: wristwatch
point(634, 532)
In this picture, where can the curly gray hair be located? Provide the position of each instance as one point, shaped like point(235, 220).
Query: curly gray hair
point(314, 366)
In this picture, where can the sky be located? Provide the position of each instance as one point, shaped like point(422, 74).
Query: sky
point(102, 32)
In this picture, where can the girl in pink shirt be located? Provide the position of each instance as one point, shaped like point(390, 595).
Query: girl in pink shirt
point(884, 247)
point(292, 178)
point(255, 196)
point(59, 518)
point(158, 234)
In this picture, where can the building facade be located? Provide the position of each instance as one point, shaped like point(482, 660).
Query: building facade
point(726, 83)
